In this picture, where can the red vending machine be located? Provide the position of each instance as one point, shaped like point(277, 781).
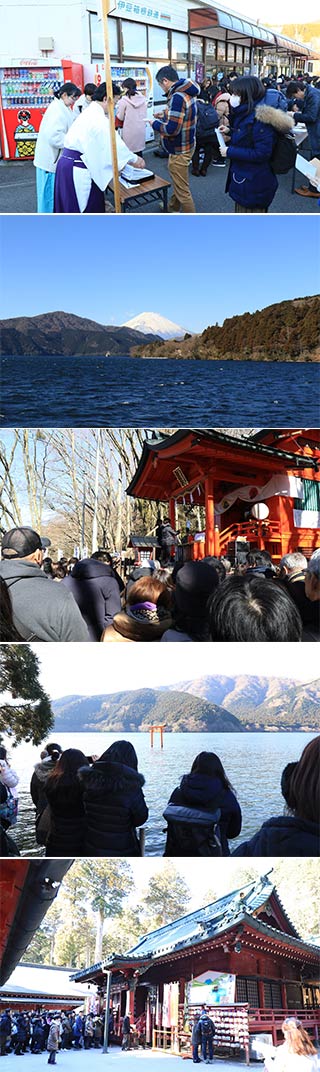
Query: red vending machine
point(25, 93)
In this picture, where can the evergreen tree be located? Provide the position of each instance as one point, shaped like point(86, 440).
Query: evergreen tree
point(103, 884)
point(29, 717)
point(166, 898)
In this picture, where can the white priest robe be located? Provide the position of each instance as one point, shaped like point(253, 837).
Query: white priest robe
point(89, 137)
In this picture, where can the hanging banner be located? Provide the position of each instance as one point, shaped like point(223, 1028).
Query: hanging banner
point(306, 519)
point(212, 988)
point(166, 1005)
point(289, 486)
point(174, 1004)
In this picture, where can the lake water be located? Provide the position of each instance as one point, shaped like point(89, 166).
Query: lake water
point(253, 763)
point(124, 391)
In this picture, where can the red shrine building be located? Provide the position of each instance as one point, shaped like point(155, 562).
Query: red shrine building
point(241, 956)
point(262, 490)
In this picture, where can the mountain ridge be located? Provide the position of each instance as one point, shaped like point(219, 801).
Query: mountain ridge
point(66, 334)
point(211, 703)
point(135, 710)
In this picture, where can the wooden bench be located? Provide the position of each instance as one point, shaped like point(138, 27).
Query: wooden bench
point(143, 193)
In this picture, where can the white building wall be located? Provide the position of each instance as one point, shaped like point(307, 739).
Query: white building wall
point(22, 22)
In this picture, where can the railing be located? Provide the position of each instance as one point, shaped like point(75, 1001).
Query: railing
point(272, 1019)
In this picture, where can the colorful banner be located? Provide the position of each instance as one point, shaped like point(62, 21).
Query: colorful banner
point(289, 486)
point(212, 988)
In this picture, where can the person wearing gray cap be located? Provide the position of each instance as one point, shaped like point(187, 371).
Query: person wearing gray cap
point(41, 611)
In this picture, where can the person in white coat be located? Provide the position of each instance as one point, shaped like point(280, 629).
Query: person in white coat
point(297, 1053)
point(53, 128)
point(85, 166)
point(8, 776)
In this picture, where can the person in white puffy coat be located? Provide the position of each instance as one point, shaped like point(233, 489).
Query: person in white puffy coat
point(8, 776)
point(296, 1054)
point(53, 128)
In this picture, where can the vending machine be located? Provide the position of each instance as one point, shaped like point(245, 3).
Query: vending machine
point(142, 76)
point(25, 93)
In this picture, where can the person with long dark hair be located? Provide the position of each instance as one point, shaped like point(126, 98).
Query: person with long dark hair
point(297, 832)
point(63, 792)
point(114, 803)
point(254, 125)
point(207, 789)
point(50, 141)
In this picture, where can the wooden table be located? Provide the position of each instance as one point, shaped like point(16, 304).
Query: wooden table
point(143, 193)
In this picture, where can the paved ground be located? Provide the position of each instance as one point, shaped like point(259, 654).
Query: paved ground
point(91, 1061)
point(18, 191)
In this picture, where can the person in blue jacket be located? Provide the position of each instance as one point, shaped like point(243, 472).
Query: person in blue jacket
point(95, 588)
point(254, 126)
point(205, 788)
point(297, 832)
point(306, 109)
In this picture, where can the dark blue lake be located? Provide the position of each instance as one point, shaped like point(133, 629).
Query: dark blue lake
point(126, 391)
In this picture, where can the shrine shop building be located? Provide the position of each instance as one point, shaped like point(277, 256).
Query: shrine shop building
point(260, 490)
point(241, 956)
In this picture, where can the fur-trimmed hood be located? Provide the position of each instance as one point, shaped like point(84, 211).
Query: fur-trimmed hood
point(110, 777)
point(282, 122)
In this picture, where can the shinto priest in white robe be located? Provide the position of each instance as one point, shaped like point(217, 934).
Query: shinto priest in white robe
point(85, 166)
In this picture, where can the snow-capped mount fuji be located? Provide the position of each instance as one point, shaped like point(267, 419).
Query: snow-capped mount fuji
point(154, 324)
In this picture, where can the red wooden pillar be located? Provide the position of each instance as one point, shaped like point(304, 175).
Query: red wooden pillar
point(132, 992)
point(209, 508)
point(284, 996)
point(172, 512)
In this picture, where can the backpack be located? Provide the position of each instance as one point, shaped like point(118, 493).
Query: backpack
point(197, 832)
point(207, 1027)
point(284, 154)
point(9, 809)
point(207, 121)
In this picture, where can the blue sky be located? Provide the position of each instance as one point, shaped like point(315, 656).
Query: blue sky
point(194, 270)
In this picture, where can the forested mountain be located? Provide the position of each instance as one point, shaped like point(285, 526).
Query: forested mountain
point(137, 710)
point(287, 331)
point(261, 702)
point(212, 704)
point(65, 334)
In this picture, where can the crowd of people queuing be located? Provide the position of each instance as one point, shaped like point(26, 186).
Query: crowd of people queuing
point(95, 806)
point(235, 119)
point(212, 599)
point(38, 1031)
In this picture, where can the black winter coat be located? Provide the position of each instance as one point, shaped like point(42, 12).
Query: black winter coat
point(114, 806)
point(207, 794)
point(283, 835)
point(5, 1025)
point(96, 591)
point(38, 783)
point(66, 836)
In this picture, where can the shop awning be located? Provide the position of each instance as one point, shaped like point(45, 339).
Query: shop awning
point(287, 45)
point(207, 18)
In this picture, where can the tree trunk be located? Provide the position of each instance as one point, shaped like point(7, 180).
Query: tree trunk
point(99, 933)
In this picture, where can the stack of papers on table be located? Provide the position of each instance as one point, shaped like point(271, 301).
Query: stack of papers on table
point(131, 176)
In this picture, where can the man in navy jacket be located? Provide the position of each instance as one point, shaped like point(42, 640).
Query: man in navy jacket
point(95, 588)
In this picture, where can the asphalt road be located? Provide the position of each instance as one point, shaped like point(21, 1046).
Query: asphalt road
point(18, 192)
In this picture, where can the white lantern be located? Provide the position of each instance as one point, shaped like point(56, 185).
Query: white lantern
point(260, 511)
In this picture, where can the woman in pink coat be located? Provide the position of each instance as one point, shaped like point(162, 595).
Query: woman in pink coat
point(131, 116)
